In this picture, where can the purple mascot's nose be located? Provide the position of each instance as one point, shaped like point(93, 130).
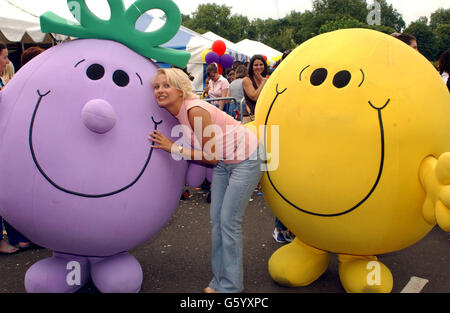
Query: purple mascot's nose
point(99, 116)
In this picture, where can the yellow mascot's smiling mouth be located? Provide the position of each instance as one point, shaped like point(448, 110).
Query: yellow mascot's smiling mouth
point(374, 186)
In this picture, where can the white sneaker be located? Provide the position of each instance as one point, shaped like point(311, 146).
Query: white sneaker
point(278, 236)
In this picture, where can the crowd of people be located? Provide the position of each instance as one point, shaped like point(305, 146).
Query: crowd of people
point(232, 176)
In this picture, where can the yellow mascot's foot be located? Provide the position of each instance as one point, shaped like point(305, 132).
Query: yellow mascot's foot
point(363, 274)
point(297, 264)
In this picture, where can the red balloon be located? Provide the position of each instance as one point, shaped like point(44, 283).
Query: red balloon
point(219, 69)
point(265, 58)
point(219, 47)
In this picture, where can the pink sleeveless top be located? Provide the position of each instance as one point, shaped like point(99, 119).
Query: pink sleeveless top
point(234, 142)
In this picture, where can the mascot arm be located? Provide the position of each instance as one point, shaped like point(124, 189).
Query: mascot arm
point(435, 179)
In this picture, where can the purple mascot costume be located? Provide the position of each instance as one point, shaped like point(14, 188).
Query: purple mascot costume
point(78, 175)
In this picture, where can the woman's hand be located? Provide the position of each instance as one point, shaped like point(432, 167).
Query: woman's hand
point(164, 142)
point(258, 78)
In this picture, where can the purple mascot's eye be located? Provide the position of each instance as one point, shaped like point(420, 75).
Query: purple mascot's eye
point(95, 72)
point(121, 78)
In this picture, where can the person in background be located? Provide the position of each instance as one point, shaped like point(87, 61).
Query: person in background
point(233, 151)
point(254, 82)
point(231, 76)
point(4, 61)
point(218, 85)
point(30, 53)
point(236, 91)
point(236, 64)
point(444, 67)
point(410, 40)
point(5, 247)
point(8, 73)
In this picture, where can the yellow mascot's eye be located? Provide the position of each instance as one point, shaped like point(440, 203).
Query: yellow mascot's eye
point(342, 79)
point(319, 76)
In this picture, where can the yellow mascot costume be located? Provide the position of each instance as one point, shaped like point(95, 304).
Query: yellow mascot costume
point(359, 164)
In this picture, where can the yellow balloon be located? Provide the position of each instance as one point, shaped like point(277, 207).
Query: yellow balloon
point(361, 127)
point(277, 58)
point(204, 55)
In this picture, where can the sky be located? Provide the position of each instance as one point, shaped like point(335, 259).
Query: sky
point(411, 10)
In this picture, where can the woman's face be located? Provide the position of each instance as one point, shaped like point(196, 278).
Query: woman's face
point(165, 94)
point(3, 59)
point(214, 76)
point(258, 67)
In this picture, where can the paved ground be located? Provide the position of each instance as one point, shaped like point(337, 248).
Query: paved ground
point(177, 260)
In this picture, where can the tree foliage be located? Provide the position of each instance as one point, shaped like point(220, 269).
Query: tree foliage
point(426, 39)
point(443, 38)
point(341, 23)
point(327, 10)
point(439, 17)
point(326, 15)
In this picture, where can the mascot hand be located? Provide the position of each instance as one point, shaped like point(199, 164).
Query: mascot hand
point(435, 178)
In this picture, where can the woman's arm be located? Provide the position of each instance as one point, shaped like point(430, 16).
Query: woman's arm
point(223, 95)
point(207, 141)
point(251, 92)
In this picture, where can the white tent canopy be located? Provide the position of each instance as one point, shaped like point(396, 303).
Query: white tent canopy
point(19, 22)
point(192, 42)
point(19, 25)
point(230, 45)
point(251, 47)
point(212, 36)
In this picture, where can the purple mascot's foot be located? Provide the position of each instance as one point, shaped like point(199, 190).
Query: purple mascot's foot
point(119, 273)
point(62, 273)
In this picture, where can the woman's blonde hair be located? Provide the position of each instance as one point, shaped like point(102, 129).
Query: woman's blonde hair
point(8, 73)
point(178, 80)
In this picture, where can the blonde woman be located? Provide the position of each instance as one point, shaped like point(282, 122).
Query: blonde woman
point(226, 144)
point(8, 73)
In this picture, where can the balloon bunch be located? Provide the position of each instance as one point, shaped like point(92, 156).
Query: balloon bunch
point(217, 55)
point(267, 60)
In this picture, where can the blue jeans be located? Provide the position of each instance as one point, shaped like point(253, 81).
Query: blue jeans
point(279, 225)
point(231, 188)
